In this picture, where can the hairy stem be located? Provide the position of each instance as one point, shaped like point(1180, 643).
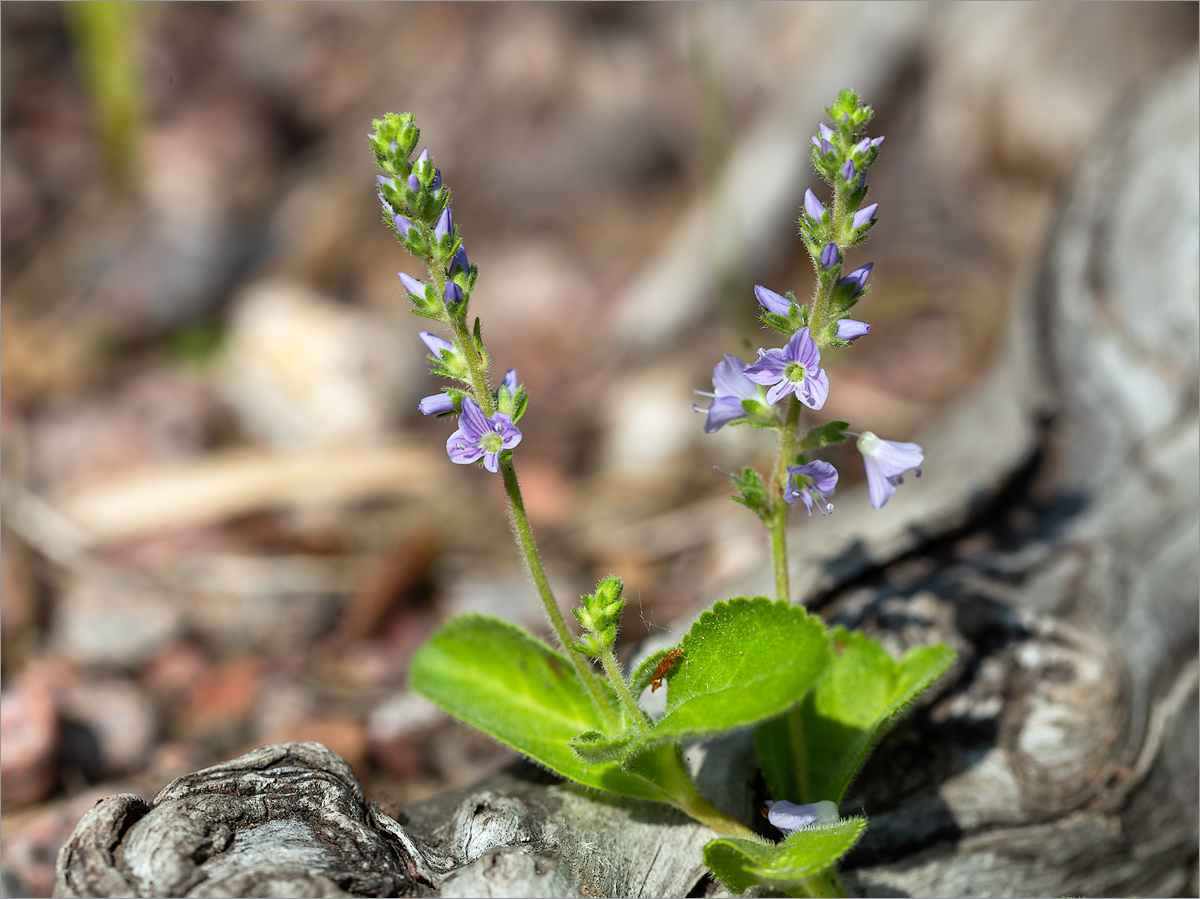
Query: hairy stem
point(617, 679)
point(778, 523)
point(825, 884)
point(533, 564)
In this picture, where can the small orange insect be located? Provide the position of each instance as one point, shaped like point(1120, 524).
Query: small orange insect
point(664, 666)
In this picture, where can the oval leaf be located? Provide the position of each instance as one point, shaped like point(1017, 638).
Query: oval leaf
point(741, 864)
point(743, 661)
point(862, 693)
point(496, 677)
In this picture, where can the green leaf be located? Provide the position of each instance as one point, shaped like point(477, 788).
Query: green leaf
point(830, 432)
point(645, 672)
point(515, 688)
point(596, 748)
point(814, 751)
point(743, 661)
point(741, 864)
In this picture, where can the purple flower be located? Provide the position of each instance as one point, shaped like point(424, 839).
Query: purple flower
point(811, 481)
point(830, 256)
point(460, 261)
point(858, 277)
point(730, 387)
point(795, 368)
point(436, 404)
point(826, 131)
point(435, 185)
point(422, 160)
point(864, 215)
point(403, 226)
point(877, 142)
point(848, 171)
point(479, 437)
point(862, 146)
point(848, 329)
point(414, 183)
point(812, 206)
point(444, 226)
point(436, 344)
point(385, 181)
point(454, 293)
point(885, 461)
point(773, 302)
point(511, 381)
point(411, 284)
point(790, 817)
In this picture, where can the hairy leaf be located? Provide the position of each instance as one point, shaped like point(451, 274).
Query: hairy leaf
point(814, 751)
point(496, 677)
point(741, 864)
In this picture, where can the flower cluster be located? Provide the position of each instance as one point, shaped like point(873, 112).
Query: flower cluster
point(770, 391)
point(416, 205)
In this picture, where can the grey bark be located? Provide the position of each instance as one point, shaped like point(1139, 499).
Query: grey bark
point(1056, 549)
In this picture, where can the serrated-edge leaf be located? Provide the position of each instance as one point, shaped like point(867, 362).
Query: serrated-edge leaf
point(725, 674)
point(742, 863)
point(500, 679)
point(915, 672)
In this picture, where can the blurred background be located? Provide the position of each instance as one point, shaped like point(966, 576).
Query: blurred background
point(224, 522)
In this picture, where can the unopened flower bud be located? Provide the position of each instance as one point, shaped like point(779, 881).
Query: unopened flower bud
point(444, 226)
point(773, 302)
point(848, 329)
point(813, 207)
point(864, 215)
point(437, 404)
point(411, 284)
point(403, 226)
point(830, 256)
point(454, 293)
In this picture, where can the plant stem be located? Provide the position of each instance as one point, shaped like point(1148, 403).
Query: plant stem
point(778, 523)
point(666, 770)
point(825, 884)
point(617, 679)
point(533, 564)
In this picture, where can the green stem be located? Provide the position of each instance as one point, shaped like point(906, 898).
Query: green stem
point(664, 767)
point(825, 884)
point(533, 564)
point(617, 679)
point(778, 523)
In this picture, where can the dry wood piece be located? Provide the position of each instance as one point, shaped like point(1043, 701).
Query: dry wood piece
point(286, 820)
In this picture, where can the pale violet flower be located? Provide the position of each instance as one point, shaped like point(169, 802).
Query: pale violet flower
point(403, 226)
point(830, 256)
point(809, 482)
point(790, 817)
point(848, 329)
point(773, 302)
point(857, 279)
point(730, 387)
point(885, 461)
point(794, 369)
point(479, 437)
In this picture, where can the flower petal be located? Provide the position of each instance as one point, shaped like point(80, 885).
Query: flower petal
point(779, 391)
point(473, 422)
point(723, 410)
point(729, 379)
point(815, 389)
point(461, 449)
point(768, 369)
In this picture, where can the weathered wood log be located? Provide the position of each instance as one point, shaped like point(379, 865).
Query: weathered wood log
point(1053, 543)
